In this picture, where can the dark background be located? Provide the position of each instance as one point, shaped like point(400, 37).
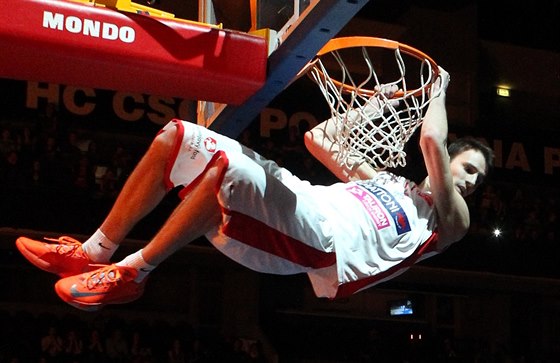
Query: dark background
point(491, 299)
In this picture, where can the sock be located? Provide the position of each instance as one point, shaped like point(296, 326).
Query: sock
point(99, 248)
point(137, 261)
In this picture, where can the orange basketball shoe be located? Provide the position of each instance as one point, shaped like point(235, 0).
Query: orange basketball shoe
point(110, 284)
point(64, 258)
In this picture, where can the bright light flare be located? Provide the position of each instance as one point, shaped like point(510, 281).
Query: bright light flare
point(497, 232)
point(502, 92)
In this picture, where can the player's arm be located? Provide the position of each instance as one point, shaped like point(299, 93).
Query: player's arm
point(321, 143)
point(451, 208)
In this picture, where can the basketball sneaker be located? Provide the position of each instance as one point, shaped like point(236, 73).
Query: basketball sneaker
point(64, 258)
point(109, 284)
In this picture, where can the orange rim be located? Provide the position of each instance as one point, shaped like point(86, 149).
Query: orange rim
point(360, 41)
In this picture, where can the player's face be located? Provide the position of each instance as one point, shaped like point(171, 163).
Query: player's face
point(468, 170)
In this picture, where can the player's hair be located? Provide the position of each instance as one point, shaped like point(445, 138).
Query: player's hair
point(470, 143)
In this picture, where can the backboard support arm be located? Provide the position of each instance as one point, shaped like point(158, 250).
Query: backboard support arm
point(315, 30)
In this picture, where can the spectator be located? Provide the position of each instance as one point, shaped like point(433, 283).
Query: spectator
point(48, 122)
point(196, 352)
point(7, 143)
point(140, 351)
point(117, 347)
point(27, 145)
point(52, 346)
point(176, 354)
point(255, 352)
point(84, 179)
point(12, 174)
point(73, 347)
point(95, 351)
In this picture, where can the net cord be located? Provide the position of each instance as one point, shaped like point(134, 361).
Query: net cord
point(370, 127)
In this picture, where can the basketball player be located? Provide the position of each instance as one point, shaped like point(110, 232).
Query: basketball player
point(346, 237)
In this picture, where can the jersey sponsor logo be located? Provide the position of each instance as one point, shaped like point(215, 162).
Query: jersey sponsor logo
point(377, 200)
point(372, 207)
point(88, 27)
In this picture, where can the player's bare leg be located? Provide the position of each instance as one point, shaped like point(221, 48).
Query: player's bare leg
point(194, 216)
point(124, 282)
point(143, 190)
point(141, 193)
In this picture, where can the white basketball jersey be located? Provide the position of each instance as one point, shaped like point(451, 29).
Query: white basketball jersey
point(390, 221)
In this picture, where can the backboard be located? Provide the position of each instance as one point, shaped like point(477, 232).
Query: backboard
point(296, 30)
point(120, 45)
point(123, 45)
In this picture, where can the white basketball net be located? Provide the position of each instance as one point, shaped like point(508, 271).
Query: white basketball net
point(369, 126)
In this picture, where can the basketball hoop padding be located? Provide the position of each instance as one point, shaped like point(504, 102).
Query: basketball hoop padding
point(88, 46)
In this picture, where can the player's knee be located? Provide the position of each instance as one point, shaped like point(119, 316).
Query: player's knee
point(216, 170)
point(308, 138)
point(165, 139)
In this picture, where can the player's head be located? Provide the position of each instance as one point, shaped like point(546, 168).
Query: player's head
point(471, 161)
point(470, 143)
